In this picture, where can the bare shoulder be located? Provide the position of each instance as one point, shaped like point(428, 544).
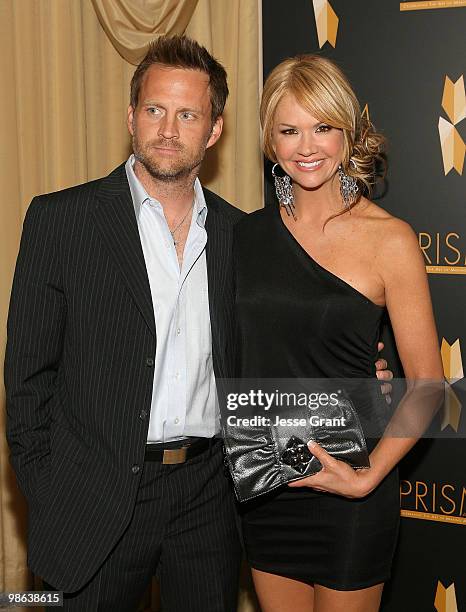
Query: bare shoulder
point(392, 235)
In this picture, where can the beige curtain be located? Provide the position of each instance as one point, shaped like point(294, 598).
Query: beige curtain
point(230, 30)
point(129, 24)
point(63, 101)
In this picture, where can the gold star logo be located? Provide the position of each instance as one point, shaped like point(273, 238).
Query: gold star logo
point(451, 410)
point(365, 112)
point(445, 599)
point(454, 105)
point(454, 100)
point(453, 372)
point(326, 22)
point(452, 361)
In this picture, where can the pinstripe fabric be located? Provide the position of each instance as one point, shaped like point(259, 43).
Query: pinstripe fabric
point(79, 368)
point(196, 549)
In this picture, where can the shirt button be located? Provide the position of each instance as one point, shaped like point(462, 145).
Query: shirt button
point(178, 331)
point(177, 375)
point(135, 469)
point(149, 362)
point(143, 414)
point(177, 420)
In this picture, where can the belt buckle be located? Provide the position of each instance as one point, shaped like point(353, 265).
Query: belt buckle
point(172, 456)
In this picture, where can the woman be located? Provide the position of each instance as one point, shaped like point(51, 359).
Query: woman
point(313, 279)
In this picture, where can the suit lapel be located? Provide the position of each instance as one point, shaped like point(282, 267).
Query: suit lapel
point(218, 267)
point(115, 218)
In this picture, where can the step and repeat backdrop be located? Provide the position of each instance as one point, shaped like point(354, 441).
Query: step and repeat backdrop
point(407, 63)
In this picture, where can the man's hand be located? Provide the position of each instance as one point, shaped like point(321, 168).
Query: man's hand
point(383, 373)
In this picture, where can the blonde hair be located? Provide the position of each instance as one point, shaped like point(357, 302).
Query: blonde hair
point(321, 88)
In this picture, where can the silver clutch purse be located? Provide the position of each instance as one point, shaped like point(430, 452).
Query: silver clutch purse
point(266, 453)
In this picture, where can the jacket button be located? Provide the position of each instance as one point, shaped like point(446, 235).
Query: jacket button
point(149, 362)
point(135, 469)
point(143, 414)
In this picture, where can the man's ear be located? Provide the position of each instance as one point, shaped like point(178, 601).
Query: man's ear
point(129, 119)
point(216, 132)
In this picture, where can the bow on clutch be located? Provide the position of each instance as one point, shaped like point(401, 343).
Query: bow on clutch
point(262, 458)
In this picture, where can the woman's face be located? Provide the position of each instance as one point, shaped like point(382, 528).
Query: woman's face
point(308, 150)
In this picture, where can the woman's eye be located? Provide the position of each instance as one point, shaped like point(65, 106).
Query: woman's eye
point(324, 128)
point(289, 131)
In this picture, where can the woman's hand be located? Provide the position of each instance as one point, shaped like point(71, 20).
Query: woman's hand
point(383, 373)
point(337, 476)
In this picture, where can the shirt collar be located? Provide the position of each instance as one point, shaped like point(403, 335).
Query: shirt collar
point(139, 195)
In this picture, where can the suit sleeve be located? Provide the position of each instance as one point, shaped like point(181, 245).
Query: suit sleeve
point(35, 331)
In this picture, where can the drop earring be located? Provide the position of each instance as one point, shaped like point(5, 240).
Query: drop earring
point(284, 192)
point(348, 187)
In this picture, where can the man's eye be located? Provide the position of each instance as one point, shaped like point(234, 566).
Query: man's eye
point(187, 115)
point(153, 110)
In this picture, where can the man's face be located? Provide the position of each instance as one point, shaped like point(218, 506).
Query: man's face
point(171, 125)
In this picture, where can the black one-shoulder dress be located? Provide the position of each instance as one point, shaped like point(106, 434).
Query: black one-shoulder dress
point(297, 319)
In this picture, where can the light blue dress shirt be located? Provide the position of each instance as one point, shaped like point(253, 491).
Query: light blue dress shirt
point(184, 398)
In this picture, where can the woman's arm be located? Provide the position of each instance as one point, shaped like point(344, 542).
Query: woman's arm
point(410, 308)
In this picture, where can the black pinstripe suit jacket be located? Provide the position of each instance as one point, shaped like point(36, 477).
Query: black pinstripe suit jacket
point(79, 367)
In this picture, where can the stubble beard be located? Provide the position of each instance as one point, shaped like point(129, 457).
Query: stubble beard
point(176, 170)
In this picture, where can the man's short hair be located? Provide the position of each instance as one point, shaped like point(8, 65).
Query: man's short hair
point(184, 52)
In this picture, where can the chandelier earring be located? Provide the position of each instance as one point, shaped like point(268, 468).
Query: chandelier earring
point(348, 186)
point(284, 192)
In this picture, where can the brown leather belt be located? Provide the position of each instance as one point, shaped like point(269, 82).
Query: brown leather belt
point(172, 456)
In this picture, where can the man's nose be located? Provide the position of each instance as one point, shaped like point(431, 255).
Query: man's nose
point(168, 128)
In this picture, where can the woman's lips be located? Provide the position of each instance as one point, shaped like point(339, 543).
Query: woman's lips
point(309, 166)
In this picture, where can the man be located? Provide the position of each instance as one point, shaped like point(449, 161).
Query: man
point(121, 312)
